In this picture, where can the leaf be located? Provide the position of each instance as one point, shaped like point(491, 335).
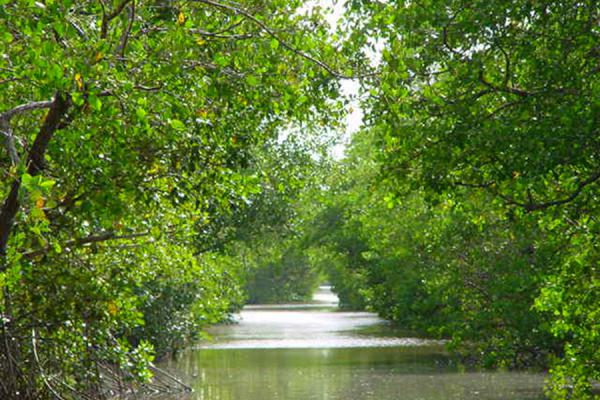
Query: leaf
point(26, 180)
point(95, 102)
point(140, 113)
point(252, 80)
point(181, 18)
point(47, 184)
point(177, 124)
point(221, 60)
point(79, 81)
point(38, 214)
point(6, 37)
point(77, 98)
point(112, 308)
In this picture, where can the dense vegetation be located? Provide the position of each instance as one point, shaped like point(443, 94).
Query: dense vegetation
point(166, 161)
point(265, 248)
point(468, 207)
point(129, 129)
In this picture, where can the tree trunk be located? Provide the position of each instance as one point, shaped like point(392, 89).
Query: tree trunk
point(35, 164)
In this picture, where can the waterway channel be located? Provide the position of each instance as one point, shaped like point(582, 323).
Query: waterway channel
point(316, 352)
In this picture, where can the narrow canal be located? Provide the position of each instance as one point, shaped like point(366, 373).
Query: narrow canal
point(313, 351)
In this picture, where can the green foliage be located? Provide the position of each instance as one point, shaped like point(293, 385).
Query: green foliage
point(484, 117)
point(152, 167)
point(183, 295)
point(337, 248)
point(130, 128)
point(264, 237)
point(569, 297)
point(285, 277)
point(459, 265)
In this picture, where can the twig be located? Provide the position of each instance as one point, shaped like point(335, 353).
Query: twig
point(96, 238)
point(505, 88)
point(9, 141)
point(217, 35)
point(37, 360)
point(107, 17)
point(127, 31)
point(536, 206)
point(173, 378)
point(8, 80)
point(283, 43)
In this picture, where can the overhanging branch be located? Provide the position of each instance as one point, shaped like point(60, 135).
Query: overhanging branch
point(246, 14)
point(109, 16)
point(532, 205)
point(580, 187)
point(94, 238)
point(36, 105)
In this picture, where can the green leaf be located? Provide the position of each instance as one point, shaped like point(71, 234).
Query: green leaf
point(177, 124)
point(140, 113)
point(6, 37)
point(95, 102)
point(26, 180)
point(252, 80)
point(77, 99)
point(47, 183)
point(57, 248)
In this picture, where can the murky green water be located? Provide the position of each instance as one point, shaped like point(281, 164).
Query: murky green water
point(315, 352)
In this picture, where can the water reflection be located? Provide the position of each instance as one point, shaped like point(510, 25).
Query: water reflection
point(279, 329)
point(315, 325)
point(312, 352)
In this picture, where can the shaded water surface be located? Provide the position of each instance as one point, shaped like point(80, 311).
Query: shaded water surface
point(312, 351)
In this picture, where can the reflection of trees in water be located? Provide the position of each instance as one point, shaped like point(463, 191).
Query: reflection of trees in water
point(345, 373)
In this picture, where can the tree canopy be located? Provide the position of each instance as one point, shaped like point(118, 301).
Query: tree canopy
point(482, 129)
point(128, 129)
point(164, 162)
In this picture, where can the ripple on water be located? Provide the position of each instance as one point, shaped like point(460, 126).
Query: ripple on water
point(302, 326)
point(314, 352)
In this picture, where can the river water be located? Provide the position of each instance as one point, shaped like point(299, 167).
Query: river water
point(315, 352)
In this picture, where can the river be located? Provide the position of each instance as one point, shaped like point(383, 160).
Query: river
point(315, 352)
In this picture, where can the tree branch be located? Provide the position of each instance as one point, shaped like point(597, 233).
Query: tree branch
point(107, 17)
point(507, 68)
point(40, 367)
point(214, 68)
point(484, 185)
point(35, 161)
point(506, 88)
point(504, 106)
point(232, 36)
point(36, 105)
point(8, 80)
point(127, 31)
point(580, 187)
point(95, 238)
point(283, 43)
point(531, 205)
point(446, 42)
